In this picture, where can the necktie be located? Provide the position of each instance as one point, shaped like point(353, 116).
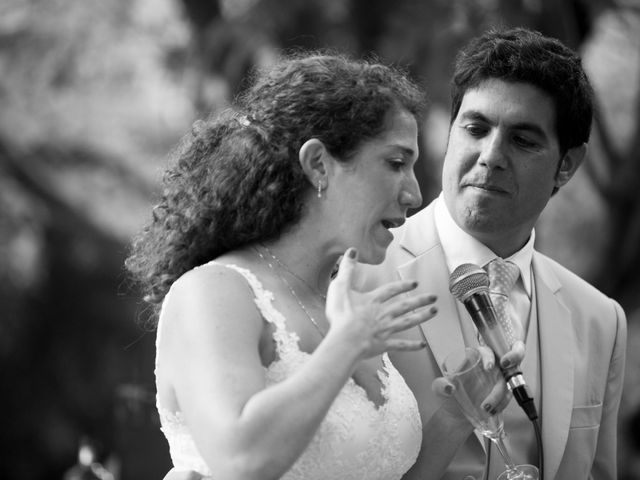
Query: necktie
point(502, 277)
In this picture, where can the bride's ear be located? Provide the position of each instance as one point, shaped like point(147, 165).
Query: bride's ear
point(314, 160)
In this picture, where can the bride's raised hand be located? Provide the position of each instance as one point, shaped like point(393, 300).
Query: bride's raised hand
point(370, 319)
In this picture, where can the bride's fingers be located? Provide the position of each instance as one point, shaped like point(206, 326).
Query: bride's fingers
point(404, 345)
point(505, 401)
point(347, 267)
point(497, 399)
point(409, 303)
point(175, 474)
point(443, 387)
point(390, 290)
point(410, 320)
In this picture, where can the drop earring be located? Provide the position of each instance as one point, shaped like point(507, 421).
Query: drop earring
point(319, 189)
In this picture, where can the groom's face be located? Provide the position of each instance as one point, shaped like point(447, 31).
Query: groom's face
point(501, 162)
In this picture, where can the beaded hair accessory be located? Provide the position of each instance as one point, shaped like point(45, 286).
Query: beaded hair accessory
point(245, 120)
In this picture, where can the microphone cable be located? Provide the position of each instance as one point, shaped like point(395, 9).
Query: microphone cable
point(538, 432)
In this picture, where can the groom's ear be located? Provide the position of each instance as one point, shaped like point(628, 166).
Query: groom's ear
point(569, 164)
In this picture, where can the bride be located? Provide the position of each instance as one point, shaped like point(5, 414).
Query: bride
point(267, 368)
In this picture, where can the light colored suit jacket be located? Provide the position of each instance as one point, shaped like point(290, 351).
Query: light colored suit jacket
point(582, 348)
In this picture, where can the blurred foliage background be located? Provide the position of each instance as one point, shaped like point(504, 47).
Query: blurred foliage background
point(94, 93)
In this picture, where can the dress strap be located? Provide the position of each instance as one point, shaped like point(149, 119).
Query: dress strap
point(286, 342)
point(262, 298)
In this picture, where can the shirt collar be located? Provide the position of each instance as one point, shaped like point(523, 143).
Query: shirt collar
point(459, 247)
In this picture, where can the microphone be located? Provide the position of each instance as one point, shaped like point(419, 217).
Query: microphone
point(469, 284)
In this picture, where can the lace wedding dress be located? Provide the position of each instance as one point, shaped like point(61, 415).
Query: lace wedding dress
point(356, 440)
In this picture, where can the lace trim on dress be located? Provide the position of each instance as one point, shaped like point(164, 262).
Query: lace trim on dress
point(286, 342)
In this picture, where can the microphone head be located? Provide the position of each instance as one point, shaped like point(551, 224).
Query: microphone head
point(467, 280)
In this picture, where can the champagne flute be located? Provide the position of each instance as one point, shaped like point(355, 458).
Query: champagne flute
point(473, 384)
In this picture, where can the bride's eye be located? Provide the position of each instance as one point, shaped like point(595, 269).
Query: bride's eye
point(397, 163)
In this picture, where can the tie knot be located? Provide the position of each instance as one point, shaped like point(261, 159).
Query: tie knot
point(503, 275)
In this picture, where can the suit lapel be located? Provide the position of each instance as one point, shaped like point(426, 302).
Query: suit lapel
point(556, 360)
point(443, 331)
point(428, 266)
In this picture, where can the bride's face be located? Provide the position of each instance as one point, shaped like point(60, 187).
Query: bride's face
point(371, 193)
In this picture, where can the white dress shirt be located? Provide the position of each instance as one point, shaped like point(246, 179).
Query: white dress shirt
point(459, 247)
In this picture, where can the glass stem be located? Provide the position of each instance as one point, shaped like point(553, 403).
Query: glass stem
point(502, 448)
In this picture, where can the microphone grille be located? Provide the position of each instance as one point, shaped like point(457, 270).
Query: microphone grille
point(466, 280)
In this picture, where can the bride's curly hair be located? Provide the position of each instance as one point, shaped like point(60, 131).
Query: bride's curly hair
point(235, 179)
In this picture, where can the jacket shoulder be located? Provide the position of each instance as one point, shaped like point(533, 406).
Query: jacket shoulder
point(577, 292)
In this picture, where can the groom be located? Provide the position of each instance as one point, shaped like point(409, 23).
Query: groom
point(520, 120)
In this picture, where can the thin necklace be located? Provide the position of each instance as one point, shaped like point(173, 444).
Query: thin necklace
point(288, 285)
point(284, 266)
